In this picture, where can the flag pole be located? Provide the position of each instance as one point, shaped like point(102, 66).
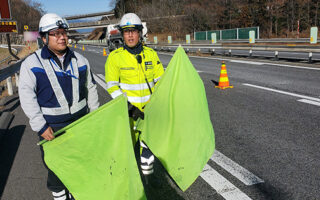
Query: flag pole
point(54, 134)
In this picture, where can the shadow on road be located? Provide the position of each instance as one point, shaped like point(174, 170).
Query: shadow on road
point(270, 192)
point(11, 100)
point(167, 190)
point(13, 107)
point(9, 145)
point(215, 82)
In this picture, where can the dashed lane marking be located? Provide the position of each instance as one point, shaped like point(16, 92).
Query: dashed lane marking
point(309, 100)
point(316, 103)
point(223, 187)
point(235, 169)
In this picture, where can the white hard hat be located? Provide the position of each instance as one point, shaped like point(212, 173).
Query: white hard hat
point(130, 20)
point(52, 21)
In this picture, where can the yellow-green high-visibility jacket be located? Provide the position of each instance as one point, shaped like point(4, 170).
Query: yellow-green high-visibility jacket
point(125, 75)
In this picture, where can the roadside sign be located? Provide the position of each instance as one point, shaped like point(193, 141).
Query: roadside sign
point(6, 24)
point(25, 27)
point(8, 27)
point(252, 37)
point(169, 39)
point(213, 38)
point(188, 41)
point(5, 10)
point(313, 35)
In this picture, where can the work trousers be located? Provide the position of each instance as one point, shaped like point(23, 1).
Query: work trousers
point(145, 157)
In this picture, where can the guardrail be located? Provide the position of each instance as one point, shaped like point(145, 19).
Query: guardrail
point(7, 74)
point(10, 70)
point(309, 53)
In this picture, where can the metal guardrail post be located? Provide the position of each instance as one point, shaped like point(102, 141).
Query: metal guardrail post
point(212, 52)
point(9, 86)
point(17, 79)
point(276, 55)
point(237, 33)
point(310, 57)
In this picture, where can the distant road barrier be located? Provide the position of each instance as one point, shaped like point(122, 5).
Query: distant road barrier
point(275, 53)
point(309, 53)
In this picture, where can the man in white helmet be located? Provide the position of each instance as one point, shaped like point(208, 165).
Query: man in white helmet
point(134, 69)
point(56, 87)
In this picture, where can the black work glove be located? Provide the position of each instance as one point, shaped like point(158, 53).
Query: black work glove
point(135, 112)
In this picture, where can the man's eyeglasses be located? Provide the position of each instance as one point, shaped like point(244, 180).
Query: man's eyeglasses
point(128, 31)
point(58, 34)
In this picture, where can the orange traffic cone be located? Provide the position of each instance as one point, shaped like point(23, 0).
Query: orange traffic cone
point(223, 80)
point(83, 48)
point(104, 52)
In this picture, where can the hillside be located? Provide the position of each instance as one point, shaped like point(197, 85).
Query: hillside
point(276, 18)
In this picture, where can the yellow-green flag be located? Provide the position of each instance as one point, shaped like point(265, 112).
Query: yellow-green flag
point(94, 158)
point(177, 126)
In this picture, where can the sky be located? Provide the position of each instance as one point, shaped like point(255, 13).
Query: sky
point(66, 8)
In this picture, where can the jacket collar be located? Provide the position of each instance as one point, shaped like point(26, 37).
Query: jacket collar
point(134, 50)
point(46, 53)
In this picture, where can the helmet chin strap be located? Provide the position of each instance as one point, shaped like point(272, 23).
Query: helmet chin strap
point(140, 36)
point(47, 39)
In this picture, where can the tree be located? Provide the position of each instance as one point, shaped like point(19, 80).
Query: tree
point(26, 12)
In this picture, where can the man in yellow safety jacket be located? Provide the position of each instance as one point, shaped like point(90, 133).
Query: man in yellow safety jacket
point(134, 69)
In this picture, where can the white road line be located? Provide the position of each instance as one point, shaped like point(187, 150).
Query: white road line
point(247, 62)
point(223, 187)
point(316, 103)
point(102, 77)
point(283, 92)
point(100, 82)
point(235, 169)
point(292, 66)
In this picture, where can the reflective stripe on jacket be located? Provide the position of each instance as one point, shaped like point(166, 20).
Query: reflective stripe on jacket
point(125, 75)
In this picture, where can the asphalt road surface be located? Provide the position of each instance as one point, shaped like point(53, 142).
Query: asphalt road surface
point(267, 135)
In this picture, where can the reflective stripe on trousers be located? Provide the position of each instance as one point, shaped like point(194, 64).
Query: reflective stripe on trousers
point(59, 195)
point(62, 195)
point(147, 160)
